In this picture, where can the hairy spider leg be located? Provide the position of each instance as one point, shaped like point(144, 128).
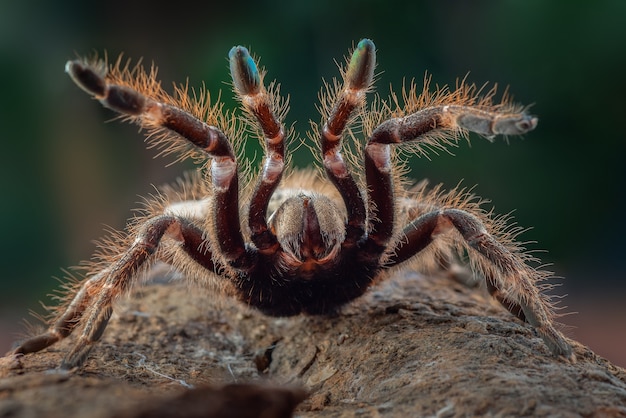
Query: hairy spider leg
point(95, 297)
point(207, 138)
point(357, 81)
point(415, 127)
point(509, 280)
point(519, 293)
point(452, 118)
point(119, 276)
point(255, 99)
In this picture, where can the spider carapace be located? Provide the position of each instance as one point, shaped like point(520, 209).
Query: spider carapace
point(309, 242)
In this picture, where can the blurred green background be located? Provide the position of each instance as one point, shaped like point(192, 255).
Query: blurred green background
point(66, 172)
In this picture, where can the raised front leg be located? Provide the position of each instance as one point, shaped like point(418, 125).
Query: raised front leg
point(428, 125)
point(357, 80)
point(260, 104)
point(119, 92)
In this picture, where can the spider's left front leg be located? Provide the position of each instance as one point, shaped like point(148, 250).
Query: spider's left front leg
point(509, 278)
point(260, 103)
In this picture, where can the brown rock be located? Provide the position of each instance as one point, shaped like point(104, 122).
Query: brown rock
point(414, 346)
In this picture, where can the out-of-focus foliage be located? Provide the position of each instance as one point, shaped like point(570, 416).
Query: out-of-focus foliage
point(65, 172)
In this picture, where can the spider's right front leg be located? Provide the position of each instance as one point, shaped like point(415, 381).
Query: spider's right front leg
point(358, 79)
point(91, 306)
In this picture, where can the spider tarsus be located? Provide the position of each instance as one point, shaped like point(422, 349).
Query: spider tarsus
point(118, 98)
point(244, 72)
point(77, 357)
point(37, 343)
point(489, 124)
point(556, 343)
point(86, 78)
point(515, 124)
point(360, 71)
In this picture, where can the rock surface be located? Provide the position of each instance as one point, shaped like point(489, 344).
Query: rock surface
point(414, 346)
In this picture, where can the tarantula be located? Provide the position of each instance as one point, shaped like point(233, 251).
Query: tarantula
point(314, 244)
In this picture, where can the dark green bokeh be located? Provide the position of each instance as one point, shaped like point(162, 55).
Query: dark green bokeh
point(66, 173)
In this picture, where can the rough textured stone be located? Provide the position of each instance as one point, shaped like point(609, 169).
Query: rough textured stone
point(414, 346)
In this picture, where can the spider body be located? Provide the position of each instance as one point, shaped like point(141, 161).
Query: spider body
point(321, 292)
point(306, 244)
